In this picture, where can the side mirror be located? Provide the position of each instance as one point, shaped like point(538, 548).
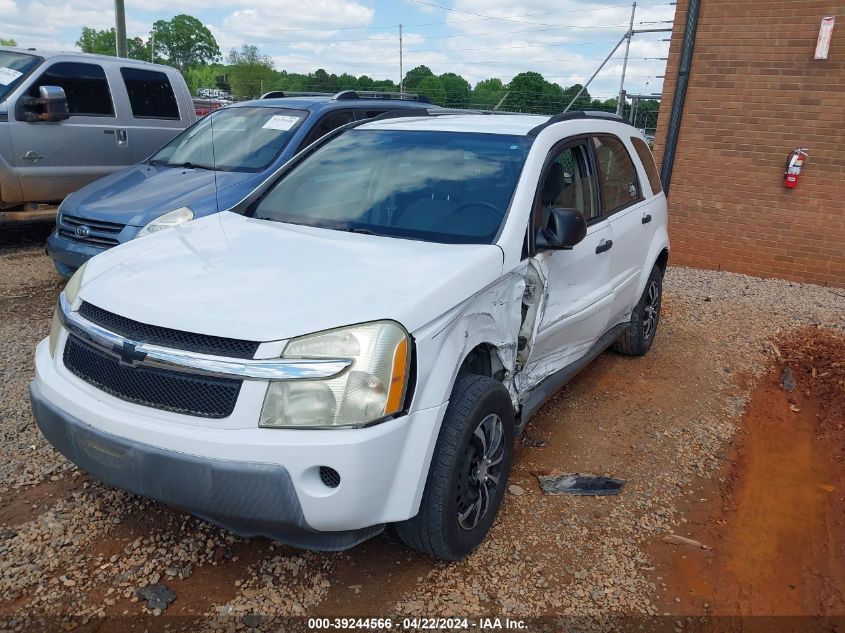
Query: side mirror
point(565, 228)
point(50, 105)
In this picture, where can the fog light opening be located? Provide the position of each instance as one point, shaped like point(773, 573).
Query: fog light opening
point(329, 476)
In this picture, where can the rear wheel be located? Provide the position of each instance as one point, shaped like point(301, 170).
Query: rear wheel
point(468, 474)
point(637, 338)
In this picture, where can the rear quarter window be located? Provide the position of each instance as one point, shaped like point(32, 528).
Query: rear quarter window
point(647, 159)
point(150, 94)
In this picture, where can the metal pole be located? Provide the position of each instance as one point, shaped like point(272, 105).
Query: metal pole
point(401, 67)
point(120, 28)
point(152, 46)
point(598, 70)
point(501, 101)
point(620, 103)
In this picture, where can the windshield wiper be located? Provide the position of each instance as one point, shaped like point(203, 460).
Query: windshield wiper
point(190, 165)
point(349, 229)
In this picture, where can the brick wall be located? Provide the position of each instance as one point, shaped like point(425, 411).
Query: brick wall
point(756, 93)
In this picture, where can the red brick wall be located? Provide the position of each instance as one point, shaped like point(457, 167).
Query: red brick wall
point(756, 93)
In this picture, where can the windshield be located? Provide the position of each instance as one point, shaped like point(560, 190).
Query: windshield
point(14, 66)
point(232, 139)
point(448, 187)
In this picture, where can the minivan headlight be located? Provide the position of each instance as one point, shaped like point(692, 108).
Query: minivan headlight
point(373, 387)
point(168, 220)
point(71, 292)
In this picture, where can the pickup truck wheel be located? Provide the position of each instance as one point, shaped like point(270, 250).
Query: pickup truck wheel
point(637, 338)
point(468, 474)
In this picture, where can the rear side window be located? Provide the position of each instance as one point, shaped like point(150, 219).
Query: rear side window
point(150, 94)
point(85, 86)
point(647, 160)
point(329, 122)
point(617, 174)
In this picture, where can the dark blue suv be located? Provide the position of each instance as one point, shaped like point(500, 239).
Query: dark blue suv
point(207, 168)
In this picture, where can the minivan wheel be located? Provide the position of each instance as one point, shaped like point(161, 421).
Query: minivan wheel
point(468, 474)
point(637, 338)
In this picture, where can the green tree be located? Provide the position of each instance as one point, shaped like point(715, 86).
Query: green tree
point(7, 42)
point(432, 88)
point(414, 76)
point(204, 77)
point(457, 90)
point(185, 41)
point(250, 72)
point(527, 91)
point(102, 42)
point(488, 93)
point(584, 101)
point(321, 81)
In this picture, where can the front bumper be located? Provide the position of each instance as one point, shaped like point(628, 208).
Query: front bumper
point(68, 255)
point(250, 480)
point(247, 498)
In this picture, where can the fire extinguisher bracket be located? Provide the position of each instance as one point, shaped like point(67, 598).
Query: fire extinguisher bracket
point(794, 163)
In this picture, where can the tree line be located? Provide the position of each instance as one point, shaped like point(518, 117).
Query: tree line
point(187, 44)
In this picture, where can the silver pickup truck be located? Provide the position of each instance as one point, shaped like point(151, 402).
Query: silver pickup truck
point(69, 118)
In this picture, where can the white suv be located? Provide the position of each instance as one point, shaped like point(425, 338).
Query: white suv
point(360, 341)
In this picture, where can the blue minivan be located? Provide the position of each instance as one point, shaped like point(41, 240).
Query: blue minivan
point(207, 168)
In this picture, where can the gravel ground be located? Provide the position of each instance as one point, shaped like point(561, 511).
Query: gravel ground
point(71, 547)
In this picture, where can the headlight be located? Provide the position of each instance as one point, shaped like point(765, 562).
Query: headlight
point(372, 388)
point(71, 292)
point(168, 220)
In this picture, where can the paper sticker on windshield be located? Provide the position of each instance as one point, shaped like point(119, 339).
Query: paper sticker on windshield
point(8, 75)
point(280, 122)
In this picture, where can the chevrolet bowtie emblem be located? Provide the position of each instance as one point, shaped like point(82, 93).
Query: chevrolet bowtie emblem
point(129, 354)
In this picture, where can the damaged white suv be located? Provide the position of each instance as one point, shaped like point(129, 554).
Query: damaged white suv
point(360, 340)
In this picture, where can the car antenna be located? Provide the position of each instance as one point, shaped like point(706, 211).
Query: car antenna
point(210, 116)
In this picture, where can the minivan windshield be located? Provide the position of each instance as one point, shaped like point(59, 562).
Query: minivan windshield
point(449, 187)
point(13, 67)
point(232, 139)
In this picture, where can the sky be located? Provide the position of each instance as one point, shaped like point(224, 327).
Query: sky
point(564, 40)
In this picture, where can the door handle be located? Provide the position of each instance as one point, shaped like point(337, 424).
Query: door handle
point(605, 245)
point(646, 218)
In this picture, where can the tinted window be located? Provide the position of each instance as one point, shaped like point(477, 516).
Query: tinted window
point(437, 186)
point(647, 160)
point(569, 183)
point(85, 87)
point(617, 174)
point(232, 139)
point(13, 67)
point(329, 122)
point(150, 94)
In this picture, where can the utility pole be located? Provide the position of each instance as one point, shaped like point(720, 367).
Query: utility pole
point(120, 28)
point(620, 104)
point(401, 66)
point(152, 46)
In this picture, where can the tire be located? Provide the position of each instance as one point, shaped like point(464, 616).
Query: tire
point(637, 338)
point(454, 477)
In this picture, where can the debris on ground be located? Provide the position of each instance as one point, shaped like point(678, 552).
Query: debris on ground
point(516, 490)
point(787, 380)
point(535, 443)
point(158, 596)
point(580, 484)
point(675, 539)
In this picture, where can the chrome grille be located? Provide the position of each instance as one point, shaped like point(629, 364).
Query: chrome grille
point(94, 232)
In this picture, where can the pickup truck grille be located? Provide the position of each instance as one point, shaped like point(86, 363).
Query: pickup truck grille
point(96, 232)
point(175, 391)
point(201, 343)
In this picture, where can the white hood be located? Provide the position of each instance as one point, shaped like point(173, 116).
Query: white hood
point(231, 276)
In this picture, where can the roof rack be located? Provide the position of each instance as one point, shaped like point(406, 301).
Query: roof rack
point(348, 95)
point(578, 114)
point(375, 94)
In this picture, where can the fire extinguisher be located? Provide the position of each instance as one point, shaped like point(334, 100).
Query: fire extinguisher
point(794, 162)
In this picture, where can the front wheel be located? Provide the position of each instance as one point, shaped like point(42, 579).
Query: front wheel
point(637, 338)
point(468, 474)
